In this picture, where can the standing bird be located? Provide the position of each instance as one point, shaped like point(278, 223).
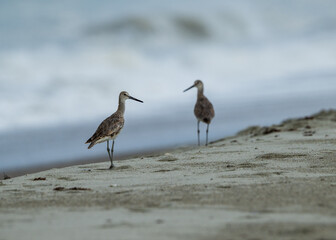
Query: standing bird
point(111, 126)
point(203, 110)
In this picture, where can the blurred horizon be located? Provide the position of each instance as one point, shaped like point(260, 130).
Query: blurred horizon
point(64, 63)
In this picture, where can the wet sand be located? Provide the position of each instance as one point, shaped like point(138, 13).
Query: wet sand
point(274, 182)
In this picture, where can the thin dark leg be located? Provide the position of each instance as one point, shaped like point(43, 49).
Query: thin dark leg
point(108, 150)
point(198, 133)
point(112, 150)
point(207, 131)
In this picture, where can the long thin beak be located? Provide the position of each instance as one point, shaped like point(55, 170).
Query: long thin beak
point(189, 88)
point(135, 99)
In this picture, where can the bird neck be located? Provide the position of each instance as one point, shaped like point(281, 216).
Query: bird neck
point(121, 106)
point(199, 92)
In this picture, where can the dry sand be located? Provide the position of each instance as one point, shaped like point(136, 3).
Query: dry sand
point(277, 182)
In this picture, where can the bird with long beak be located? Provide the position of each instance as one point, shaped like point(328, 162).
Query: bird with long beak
point(111, 126)
point(203, 110)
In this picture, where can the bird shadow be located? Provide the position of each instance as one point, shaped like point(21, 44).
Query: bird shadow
point(103, 169)
point(114, 169)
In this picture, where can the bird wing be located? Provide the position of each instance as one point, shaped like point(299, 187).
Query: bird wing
point(204, 110)
point(111, 126)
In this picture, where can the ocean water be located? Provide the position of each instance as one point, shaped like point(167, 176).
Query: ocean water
point(63, 64)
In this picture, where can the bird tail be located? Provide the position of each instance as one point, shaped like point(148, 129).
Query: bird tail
point(92, 143)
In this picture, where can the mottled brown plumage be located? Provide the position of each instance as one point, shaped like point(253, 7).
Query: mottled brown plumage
point(111, 126)
point(108, 129)
point(203, 110)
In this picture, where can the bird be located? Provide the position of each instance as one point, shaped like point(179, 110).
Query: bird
point(111, 126)
point(203, 110)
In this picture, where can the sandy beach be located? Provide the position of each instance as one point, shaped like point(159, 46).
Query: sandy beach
point(274, 182)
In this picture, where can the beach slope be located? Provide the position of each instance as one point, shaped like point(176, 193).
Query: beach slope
point(274, 182)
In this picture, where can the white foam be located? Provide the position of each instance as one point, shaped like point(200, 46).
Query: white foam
point(250, 51)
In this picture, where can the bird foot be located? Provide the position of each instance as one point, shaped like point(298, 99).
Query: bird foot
point(111, 167)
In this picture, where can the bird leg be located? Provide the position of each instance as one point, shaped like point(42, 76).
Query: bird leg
point(108, 151)
point(206, 143)
point(198, 132)
point(111, 156)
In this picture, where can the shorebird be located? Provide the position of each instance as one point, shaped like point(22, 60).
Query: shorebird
point(111, 126)
point(203, 110)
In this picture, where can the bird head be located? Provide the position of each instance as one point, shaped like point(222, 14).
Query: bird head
point(198, 84)
point(125, 95)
